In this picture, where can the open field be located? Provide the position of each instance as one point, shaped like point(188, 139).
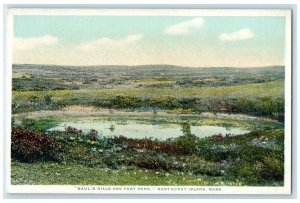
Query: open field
point(74, 174)
point(269, 89)
point(256, 99)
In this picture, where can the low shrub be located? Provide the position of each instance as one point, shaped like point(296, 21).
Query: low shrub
point(182, 145)
point(270, 169)
point(31, 146)
point(93, 135)
point(152, 162)
point(207, 169)
point(71, 129)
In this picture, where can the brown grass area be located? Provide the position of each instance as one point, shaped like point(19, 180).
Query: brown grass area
point(79, 108)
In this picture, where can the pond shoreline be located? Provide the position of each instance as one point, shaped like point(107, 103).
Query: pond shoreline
point(137, 130)
point(122, 113)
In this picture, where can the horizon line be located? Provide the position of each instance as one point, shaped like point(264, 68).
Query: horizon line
point(150, 65)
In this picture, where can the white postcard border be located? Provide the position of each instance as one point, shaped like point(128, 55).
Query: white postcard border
point(59, 189)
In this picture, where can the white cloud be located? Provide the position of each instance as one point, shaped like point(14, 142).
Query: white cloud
point(29, 43)
point(184, 27)
point(242, 34)
point(108, 42)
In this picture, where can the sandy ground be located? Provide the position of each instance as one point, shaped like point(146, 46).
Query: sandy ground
point(91, 111)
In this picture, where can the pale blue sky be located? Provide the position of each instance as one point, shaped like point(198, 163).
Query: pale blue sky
point(135, 40)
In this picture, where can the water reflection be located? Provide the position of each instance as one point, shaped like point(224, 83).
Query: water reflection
point(186, 129)
point(112, 128)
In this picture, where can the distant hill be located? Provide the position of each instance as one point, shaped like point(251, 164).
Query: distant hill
point(146, 70)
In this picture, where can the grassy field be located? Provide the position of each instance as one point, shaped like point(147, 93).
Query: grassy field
point(48, 173)
point(272, 89)
point(260, 99)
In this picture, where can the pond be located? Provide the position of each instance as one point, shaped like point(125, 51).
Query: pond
point(138, 129)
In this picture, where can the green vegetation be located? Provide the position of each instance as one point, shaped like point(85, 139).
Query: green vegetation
point(74, 157)
point(38, 124)
point(245, 159)
point(255, 91)
point(74, 174)
point(265, 100)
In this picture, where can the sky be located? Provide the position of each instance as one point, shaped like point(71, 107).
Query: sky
point(194, 41)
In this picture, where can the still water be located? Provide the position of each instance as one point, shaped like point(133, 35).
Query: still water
point(137, 129)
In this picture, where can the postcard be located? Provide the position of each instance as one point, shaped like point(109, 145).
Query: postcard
point(148, 101)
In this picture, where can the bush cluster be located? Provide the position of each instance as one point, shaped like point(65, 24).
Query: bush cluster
point(30, 146)
point(234, 157)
